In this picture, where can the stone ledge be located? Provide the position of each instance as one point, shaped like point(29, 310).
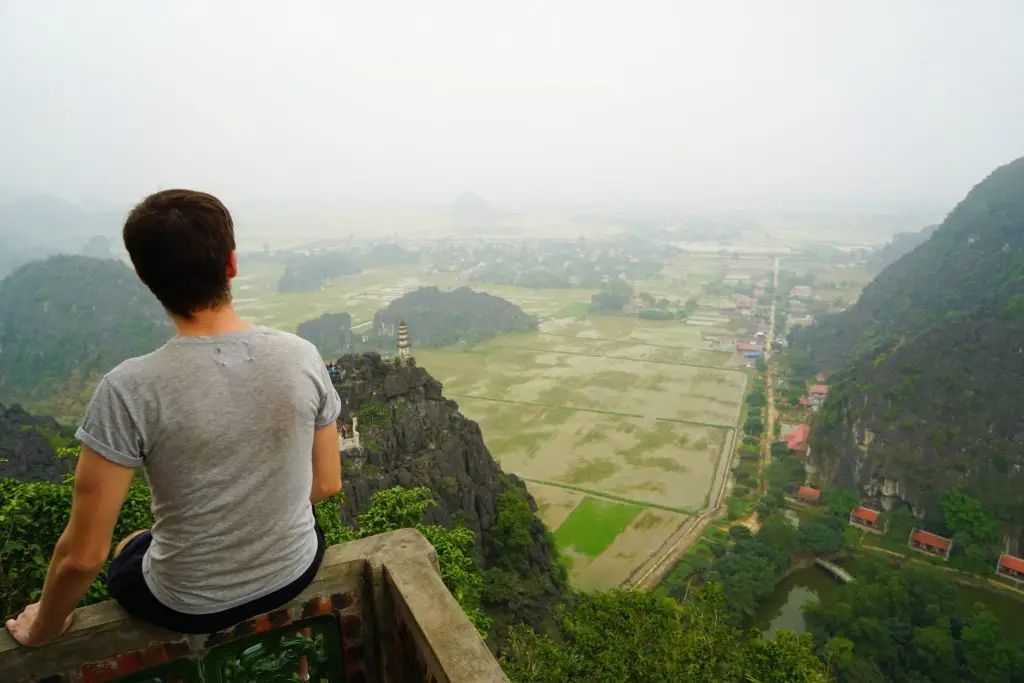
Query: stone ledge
point(103, 631)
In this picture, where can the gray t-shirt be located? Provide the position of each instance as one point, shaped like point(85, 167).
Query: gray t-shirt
point(224, 429)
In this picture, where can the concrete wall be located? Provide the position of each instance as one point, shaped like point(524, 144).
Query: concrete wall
point(378, 610)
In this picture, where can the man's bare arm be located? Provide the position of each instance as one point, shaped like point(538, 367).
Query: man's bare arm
point(78, 557)
point(326, 463)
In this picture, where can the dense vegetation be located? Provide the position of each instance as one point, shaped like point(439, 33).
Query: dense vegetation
point(927, 363)
point(901, 243)
point(388, 255)
point(438, 318)
point(331, 333)
point(909, 624)
point(310, 273)
point(66, 320)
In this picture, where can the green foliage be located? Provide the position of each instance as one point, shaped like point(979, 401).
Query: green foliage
point(331, 333)
point(927, 357)
point(67, 320)
point(438, 318)
point(756, 398)
point(909, 624)
point(510, 536)
point(373, 414)
point(785, 474)
point(753, 426)
point(840, 502)
point(594, 525)
point(749, 570)
point(641, 638)
point(761, 365)
point(32, 517)
point(614, 295)
point(965, 517)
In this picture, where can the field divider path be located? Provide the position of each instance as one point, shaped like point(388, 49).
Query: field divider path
point(631, 358)
point(588, 410)
point(629, 342)
point(610, 497)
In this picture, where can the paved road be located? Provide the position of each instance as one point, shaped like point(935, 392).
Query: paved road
point(650, 574)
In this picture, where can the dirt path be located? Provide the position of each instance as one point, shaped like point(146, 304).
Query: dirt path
point(769, 411)
point(968, 582)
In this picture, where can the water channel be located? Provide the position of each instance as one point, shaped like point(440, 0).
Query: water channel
point(783, 609)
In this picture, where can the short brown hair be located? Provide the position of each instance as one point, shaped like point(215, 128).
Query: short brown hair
point(180, 242)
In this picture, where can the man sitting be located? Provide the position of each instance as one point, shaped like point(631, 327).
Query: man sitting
point(235, 426)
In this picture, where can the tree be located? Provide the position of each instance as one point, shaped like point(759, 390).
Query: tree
point(965, 515)
point(753, 425)
point(988, 657)
point(510, 536)
point(840, 502)
point(788, 658)
point(756, 398)
point(761, 365)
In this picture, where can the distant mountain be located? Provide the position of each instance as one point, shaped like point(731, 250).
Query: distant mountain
point(437, 318)
point(388, 255)
point(36, 226)
point(310, 273)
point(98, 246)
point(902, 243)
point(67, 320)
point(331, 333)
point(927, 368)
point(472, 209)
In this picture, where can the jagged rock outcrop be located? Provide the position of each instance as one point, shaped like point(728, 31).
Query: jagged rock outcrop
point(411, 435)
point(26, 452)
point(931, 366)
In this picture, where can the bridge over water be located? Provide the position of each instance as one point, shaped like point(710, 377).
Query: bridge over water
point(835, 570)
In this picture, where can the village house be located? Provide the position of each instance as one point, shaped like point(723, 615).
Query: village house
point(796, 440)
point(1011, 567)
point(724, 344)
point(816, 395)
point(801, 292)
point(867, 519)
point(808, 494)
point(748, 346)
point(929, 543)
point(805, 401)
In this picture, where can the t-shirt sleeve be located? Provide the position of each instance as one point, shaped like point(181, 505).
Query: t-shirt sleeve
point(109, 429)
point(330, 402)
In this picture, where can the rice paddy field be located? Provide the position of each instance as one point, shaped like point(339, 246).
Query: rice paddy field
point(619, 425)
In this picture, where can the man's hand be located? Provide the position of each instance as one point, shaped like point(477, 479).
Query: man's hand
point(30, 632)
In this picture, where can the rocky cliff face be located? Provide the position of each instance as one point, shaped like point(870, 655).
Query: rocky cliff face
point(25, 451)
point(411, 435)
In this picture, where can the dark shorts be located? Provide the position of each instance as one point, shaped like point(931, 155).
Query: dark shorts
point(127, 585)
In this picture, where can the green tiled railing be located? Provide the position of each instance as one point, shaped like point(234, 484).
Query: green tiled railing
point(310, 648)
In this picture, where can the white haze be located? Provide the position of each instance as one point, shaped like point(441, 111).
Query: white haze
point(879, 104)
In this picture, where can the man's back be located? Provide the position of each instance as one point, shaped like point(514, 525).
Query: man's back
point(224, 426)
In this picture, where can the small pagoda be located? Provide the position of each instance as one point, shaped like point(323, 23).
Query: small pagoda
point(404, 347)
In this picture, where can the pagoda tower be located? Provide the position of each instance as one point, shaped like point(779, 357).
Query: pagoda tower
point(404, 347)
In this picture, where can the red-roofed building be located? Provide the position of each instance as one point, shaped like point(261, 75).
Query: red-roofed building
point(796, 440)
point(805, 402)
point(743, 346)
point(867, 519)
point(932, 544)
point(1011, 567)
point(817, 395)
point(808, 494)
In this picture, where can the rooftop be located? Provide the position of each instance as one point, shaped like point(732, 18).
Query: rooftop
point(866, 514)
point(1011, 562)
point(820, 389)
point(928, 538)
point(809, 494)
point(377, 612)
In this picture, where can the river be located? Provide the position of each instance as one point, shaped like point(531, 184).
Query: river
point(783, 609)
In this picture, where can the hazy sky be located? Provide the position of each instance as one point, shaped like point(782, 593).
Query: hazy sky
point(783, 103)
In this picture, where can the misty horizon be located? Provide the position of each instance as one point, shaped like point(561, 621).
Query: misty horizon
point(745, 107)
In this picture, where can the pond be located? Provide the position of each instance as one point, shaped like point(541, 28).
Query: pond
point(783, 609)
